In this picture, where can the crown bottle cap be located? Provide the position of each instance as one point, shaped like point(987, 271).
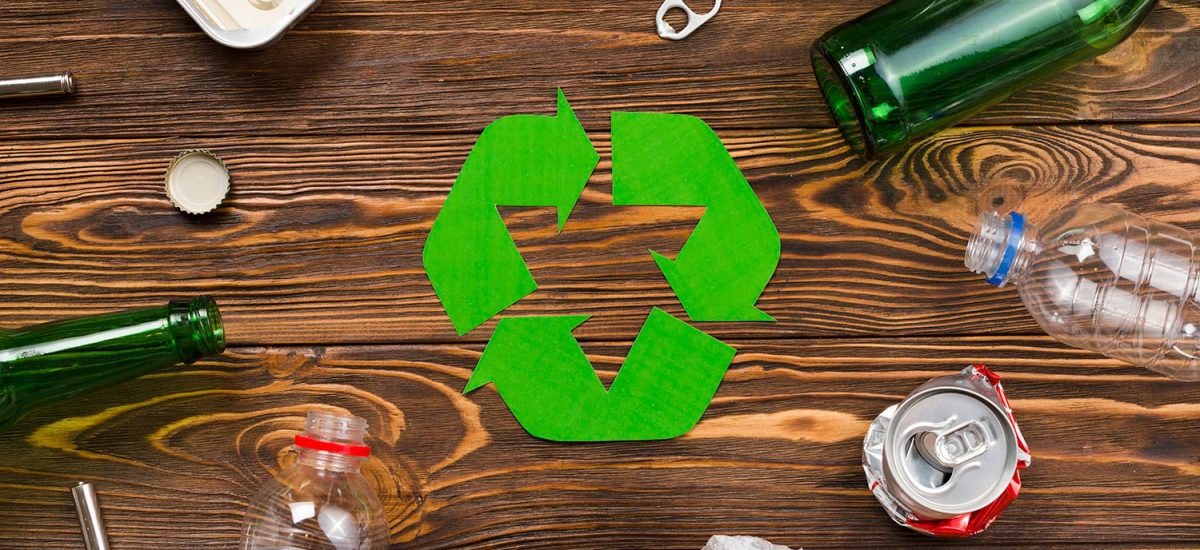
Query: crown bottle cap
point(197, 181)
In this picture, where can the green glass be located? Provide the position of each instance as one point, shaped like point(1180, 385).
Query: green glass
point(915, 67)
point(54, 362)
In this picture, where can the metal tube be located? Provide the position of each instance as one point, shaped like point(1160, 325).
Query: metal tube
point(88, 507)
point(59, 84)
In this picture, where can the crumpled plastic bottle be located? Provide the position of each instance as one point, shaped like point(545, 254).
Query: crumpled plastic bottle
point(322, 502)
point(1097, 277)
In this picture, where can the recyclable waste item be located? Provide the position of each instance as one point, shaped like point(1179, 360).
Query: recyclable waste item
point(87, 506)
point(1100, 278)
point(695, 20)
point(912, 68)
point(197, 181)
point(56, 362)
point(673, 370)
point(945, 461)
point(322, 501)
point(37, 86)
point(723, 542)
point(247, 24)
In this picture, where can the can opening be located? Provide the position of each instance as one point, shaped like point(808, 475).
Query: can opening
point(922, 468)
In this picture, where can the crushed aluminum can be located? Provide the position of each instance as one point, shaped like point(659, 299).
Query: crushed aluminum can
point(946, 461)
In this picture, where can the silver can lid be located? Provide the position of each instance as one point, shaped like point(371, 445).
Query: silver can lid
point(949, 452)
point(197, 181)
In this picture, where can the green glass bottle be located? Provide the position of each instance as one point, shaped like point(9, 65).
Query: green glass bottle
point(56, 361)
point(915, 67)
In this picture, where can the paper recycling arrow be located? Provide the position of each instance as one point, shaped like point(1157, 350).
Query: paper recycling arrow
point(521, 160)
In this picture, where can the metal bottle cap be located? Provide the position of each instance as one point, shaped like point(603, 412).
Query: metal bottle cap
point(197, 181)
point(88, 508)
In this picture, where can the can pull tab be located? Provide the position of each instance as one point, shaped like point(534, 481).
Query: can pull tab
point(956, 445)
point(695, 20)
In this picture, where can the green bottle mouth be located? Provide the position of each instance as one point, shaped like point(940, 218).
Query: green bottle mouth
point(208, 331)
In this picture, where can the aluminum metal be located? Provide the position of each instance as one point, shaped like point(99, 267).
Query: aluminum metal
point(197, 181)
point(36, 86)
point(950, 448)
point(695, 20)
point(88, 508)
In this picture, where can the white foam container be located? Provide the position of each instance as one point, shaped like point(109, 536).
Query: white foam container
point(242, 24)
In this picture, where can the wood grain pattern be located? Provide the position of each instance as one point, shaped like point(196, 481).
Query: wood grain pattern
point(360, 66)
point(776, 455)
point(344, 140)
point(319, 227)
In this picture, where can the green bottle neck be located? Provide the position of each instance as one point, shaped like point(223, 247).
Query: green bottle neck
point(197, 328)
point(53, 362)
point(191, 330)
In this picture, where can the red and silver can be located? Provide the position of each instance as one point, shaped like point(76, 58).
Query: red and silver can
point(946, 461)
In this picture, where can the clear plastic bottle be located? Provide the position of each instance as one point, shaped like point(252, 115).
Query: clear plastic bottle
point(321, 502)
point(1100, 278)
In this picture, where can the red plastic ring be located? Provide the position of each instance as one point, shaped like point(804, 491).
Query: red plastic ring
point(328, 446)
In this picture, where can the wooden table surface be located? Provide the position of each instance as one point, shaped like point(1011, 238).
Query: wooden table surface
point(343, 141)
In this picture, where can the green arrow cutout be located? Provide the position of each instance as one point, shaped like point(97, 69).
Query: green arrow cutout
point(522, 160)
point(663, 388)
point(674, 160)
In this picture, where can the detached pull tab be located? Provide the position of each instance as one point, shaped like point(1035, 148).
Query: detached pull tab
point(695, 20)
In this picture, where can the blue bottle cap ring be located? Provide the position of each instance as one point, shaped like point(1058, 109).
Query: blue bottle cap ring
point(1015, 233)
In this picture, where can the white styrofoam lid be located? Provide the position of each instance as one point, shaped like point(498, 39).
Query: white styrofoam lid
point(247, 24)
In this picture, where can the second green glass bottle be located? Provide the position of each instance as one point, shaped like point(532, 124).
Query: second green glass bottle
point(55, 362)
point(915, 67)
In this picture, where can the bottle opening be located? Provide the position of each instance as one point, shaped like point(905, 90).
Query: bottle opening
point(209, 330)
point(993, 247)
point(334, 433)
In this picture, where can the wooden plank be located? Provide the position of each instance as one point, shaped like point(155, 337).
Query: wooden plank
point(344, 140)
point(356, 67)
point(177, 455)
point(321, 241)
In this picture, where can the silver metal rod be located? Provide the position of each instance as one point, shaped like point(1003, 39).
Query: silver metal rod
point(59, 84)
point(88, 507)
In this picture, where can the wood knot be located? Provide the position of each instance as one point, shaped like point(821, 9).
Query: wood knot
point(293, 364)
point(1002, 197)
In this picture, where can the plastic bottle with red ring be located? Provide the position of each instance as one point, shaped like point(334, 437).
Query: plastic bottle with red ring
point(322, 501)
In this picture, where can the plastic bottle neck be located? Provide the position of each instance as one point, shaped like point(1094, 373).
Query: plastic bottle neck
point(1002, 248)
point(330, 462)
point(197, 328)
point(333, 442)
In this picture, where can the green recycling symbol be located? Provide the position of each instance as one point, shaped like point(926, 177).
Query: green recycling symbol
point(673, 369)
